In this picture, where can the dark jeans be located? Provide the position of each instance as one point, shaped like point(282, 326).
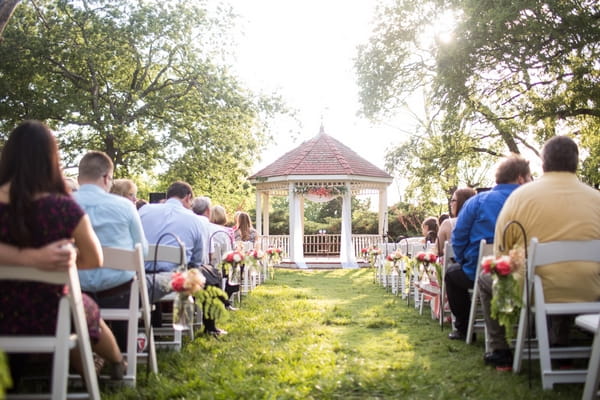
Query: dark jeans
point(459, 299)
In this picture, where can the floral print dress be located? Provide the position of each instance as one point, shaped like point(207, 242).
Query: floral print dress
point(31, 307)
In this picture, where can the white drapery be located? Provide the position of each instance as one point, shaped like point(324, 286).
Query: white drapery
point(347, 258)
point(297, 230)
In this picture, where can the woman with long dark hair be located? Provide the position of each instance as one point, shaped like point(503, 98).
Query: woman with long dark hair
point(35, 210)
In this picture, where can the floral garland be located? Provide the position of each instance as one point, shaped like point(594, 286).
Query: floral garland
point(506, 300)
point(321, 191)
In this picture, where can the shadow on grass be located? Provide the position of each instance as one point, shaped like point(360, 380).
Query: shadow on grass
point(330, 335)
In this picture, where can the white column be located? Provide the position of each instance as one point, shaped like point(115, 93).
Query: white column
point(347, 256)
point(383, 221)
point(259, 212)
point(296, 235)
point(291, 220)
point(266, 209)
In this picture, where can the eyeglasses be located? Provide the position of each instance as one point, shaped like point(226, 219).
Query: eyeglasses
point(453, 201)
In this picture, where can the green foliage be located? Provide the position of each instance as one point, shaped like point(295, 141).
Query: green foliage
point(489, 88)
point(5, 379)
point(331, 335)
point(156, 96)
point(209, 300)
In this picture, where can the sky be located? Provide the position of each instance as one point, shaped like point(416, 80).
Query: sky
point(304, 51)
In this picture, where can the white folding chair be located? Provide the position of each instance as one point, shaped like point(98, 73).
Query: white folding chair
point(58, 344)
point(591, 323)
point(448, 256)
point(476, 321)
point(176, 255)
point(541, 254)
point(132, 260)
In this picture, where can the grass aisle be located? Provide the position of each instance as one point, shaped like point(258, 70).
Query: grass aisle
point(331, 335)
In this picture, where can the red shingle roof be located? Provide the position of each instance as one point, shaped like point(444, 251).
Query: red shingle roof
point(321, 155)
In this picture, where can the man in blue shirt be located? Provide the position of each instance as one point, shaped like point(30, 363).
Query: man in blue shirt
point(117, 224)
point(476, 221)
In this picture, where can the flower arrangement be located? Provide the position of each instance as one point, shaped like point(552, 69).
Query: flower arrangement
point(392, 261)
point(506, 292)
point(428, 260)
point(230, 264)
point(321, 191)
point(370, 254)
point(274, 254)
point(185, 284)
point(273, 257)
point(254, 257)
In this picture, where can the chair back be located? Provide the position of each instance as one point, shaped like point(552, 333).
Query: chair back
point(70, 308)
point(541, 254)
point(476, 320)
point(175, 255)
point(132, 260)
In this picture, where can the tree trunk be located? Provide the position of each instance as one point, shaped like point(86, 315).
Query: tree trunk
point(7, 7)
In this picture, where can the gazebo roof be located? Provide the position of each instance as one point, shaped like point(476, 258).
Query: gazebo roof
point(321, 155)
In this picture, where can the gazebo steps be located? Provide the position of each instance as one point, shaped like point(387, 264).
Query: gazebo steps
point(317, 264)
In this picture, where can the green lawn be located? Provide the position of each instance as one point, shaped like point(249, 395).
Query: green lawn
point(331, 335)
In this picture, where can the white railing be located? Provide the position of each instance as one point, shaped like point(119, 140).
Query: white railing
point(283, 242)
point(277, 241)
point(360, 242)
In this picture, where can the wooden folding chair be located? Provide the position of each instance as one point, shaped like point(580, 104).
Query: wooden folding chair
point(476, 321)
point(70, 307)
point(541, 254)
point(132, 260)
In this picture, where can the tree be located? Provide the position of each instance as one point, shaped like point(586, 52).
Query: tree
point(146, 82)
point(7, 7)
point(512, 73)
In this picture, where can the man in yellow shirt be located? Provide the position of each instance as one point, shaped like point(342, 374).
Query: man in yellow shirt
point(556, 207)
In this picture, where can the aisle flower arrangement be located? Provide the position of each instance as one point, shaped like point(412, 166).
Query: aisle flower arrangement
point(506, 292)
point(370, 254)
point(429, 262)
point(231, 266)
point(185, 284)
point(273, 257)
point(392, 261)
point(254, 257)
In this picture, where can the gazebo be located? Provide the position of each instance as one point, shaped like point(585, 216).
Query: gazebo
point(320, 169)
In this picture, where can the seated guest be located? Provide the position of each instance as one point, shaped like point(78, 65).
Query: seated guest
point(244, 232)
point(166, 220)
point(36, 210)
point(476, 221)
point(117, 224)
point(140, 203)
point(201, 207)
point(459, 197)
point(125, 188)
point(72, 185)
point(555, 207)
point(429, 229)
point(221, 236)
